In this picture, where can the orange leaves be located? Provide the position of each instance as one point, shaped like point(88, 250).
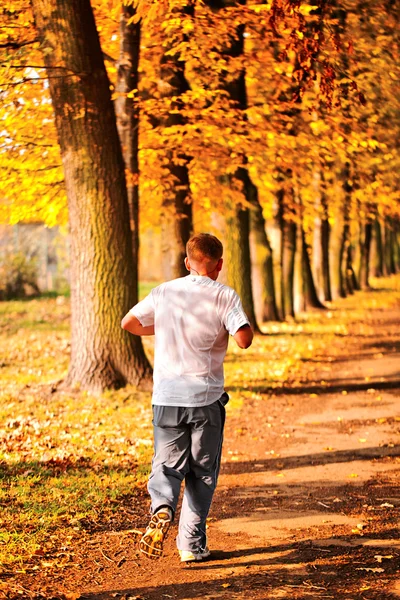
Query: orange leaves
point(292, 63)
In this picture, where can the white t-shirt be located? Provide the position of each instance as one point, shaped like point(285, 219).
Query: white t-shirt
point(193, 317)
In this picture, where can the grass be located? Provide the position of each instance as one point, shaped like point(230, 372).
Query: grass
point(71, 462)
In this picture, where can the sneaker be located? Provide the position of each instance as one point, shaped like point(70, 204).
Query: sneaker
point(152, 540)
point(188, 555)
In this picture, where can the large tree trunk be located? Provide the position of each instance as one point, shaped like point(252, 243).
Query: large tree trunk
point(127, 111)
point(102, 289)
point(238, 246)
point(262, 263)
point(176, 218)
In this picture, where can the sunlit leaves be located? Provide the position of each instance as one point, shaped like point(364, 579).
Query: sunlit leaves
point(293, 63)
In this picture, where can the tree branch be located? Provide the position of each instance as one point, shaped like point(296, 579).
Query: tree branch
point(17, 45)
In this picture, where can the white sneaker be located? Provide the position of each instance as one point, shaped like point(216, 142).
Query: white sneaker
point(188, 555)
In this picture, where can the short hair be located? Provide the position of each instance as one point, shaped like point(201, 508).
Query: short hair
point(204, 245)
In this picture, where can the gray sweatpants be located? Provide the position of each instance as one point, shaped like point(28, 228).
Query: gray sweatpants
point(187, 445)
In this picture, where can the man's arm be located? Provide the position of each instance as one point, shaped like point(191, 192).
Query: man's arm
point(244, 336)
point(133, 325)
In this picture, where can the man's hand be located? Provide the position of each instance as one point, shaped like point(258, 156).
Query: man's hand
point(244, 336)
point(133, 325)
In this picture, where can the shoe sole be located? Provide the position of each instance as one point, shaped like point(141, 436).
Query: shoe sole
point(151, 544)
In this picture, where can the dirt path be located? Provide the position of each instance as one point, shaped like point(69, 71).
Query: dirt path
point(308, 501)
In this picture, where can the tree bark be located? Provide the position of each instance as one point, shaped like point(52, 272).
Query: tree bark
point(396, 237)
point(389, 255)
point(377, 250)
point(287, 256)
point(262, 263)
point(311, 296)
point(274, 232)
point(341, 282)
point(325, 239)
point(102, 354)
point(365, 256)
point(176, 217)
point(287, 261)
point(336, 263)
point(321, 260)
point(176, 221)
point(127, 112)
point(305, 293)
point(351, 280)
point(237, 258)
point(238, 246)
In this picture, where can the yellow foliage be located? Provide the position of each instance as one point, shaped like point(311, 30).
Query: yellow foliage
point(278, 132)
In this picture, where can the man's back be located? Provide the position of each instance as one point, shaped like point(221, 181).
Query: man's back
point(193, 317)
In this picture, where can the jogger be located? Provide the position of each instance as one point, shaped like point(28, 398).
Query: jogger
point(191, 318)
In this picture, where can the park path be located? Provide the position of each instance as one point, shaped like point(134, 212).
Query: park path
point(308, 501)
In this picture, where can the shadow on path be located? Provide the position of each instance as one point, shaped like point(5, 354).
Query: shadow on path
point(308, 460)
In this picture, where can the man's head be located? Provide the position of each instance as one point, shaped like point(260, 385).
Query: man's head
point(204, 255)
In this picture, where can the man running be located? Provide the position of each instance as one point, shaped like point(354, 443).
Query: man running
point(191, 318)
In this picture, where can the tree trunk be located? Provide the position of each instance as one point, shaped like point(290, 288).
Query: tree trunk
point(287, 256)
point(350, 276)
point(340, 277)
point(396, 234)
point(325, 239)
point(389, 255)
point(237, 258)
point(274, 232)
point(287, 261)
point(336, 262)
point(262, 263)
point(320, 253)
point(305, 293)
point(365, 256)
point(176, 218)
point(357, 242)
point(238, 246)
point(299, 285)
point(127, 111)
point(102, 354)
point(377, 250)
point(312, 300)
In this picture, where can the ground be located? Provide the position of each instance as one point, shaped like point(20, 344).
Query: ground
point(308, 499)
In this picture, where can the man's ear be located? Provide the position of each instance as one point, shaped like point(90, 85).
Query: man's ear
point(186, 261)
point(220, 263)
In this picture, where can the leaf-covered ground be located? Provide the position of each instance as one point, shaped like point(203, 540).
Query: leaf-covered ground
point(308, 501)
